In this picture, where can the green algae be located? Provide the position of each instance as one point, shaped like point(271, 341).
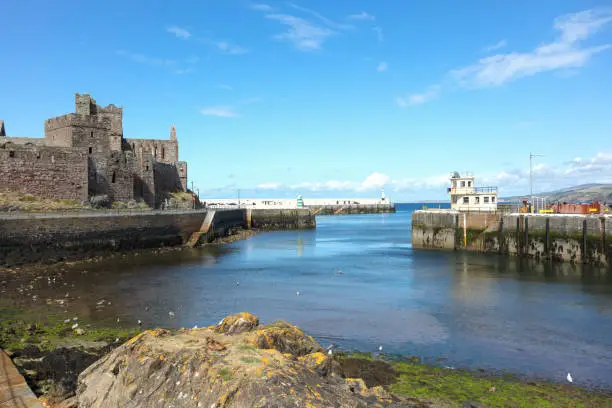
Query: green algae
point(454, 387)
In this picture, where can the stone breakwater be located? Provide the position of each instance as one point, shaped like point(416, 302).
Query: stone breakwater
point(559, 237)
point(30, 238)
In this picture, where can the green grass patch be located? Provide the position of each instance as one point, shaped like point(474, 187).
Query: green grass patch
point(226, 374)
point(250, 360)
point(454, 387)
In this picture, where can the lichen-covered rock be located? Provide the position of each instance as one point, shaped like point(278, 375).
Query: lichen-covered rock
point(238, 323)
point(204, 368)
point(285, 338)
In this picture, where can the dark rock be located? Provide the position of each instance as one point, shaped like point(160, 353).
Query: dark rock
point(373, 372)
point(469, 404)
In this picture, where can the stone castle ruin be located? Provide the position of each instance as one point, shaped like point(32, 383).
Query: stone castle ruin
point(84, 154)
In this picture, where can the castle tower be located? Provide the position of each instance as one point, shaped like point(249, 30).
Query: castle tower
point(2, 131)
point(173, 133)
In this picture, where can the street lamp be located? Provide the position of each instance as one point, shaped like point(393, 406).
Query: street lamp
point(531, 156)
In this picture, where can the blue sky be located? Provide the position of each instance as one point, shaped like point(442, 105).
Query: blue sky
point(330, 98)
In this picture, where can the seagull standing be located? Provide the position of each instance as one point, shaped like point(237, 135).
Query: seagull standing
point(379, 348)
point(569, 377)
point(297, 293)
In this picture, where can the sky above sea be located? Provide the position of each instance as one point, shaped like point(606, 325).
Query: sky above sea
point(330, 98)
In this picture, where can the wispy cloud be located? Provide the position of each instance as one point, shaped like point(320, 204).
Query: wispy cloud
point(496, 46)
point(328, 22)
point(382, 66)
point(362, 16)
point(379, 33)
point(226, 87)
point(182, 71)
point(305, 33)
point(220, 111)
point(179, 32)
point(229, 48)
point(301, 33)
point(143, 59)
point(565, 52)
point(418, 99)
point(261, 7)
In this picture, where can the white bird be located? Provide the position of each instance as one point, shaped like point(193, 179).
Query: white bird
point(569, 377)
point(139, 322)
point(379, 348)
point(330, 352)
point(297, 293)
point(171, 314)
point(74, 326)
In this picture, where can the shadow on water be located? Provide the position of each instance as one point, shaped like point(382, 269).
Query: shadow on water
point(360, 285)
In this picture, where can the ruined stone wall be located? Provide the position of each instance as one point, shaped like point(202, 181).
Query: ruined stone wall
point(144, 180)
point(182, 172)
point(164, 151)
point(58, 131)
point(47, 172)
point(167, 180)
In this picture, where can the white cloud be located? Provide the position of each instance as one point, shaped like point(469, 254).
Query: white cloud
point(565, 52)
point(379, 33)
point(374, 181)
point(382, 66)
point(182, 71)
point(269, 186)
point(418, 99)
point(362, 16)
point(496, 46)
point(226, 87)
point(304, 35)
point(601, 163)
point(261, 7)
point(232, 49)
point(179, 32)
point(220, 111)
point(143, 59)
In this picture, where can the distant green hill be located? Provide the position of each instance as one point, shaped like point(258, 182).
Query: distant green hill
point(581, 193)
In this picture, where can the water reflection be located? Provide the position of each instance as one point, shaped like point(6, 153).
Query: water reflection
point(477, 310)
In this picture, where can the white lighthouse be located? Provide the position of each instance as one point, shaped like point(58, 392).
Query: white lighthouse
point(465, 196)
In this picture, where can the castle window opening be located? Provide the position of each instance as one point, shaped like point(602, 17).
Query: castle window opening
point(90, 149)
point(92, 133)
point(113, 180)
point(133, 146)
point(11, 153)
point(163, 153)
point(147, 167)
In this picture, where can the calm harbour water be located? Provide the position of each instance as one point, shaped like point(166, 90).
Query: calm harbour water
point(361, 285)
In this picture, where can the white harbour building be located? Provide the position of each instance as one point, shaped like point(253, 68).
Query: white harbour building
point(465, 196)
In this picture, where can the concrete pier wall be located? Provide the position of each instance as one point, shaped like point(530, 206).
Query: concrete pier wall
point(340, 209)
point(269, 220)
point(30, 238)
point(569, 238)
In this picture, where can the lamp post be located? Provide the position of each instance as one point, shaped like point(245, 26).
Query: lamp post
point(531, 156)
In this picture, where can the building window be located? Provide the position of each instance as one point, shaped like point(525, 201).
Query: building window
point(113, 177)
point(466, 200)
point(92, 134)
point(493, 199)
point(90, 149)
point(463, 184)
point(486, 200)
point(477, 200)
point(469, 184)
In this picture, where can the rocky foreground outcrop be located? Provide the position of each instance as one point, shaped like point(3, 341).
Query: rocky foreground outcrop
point(237, 363)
